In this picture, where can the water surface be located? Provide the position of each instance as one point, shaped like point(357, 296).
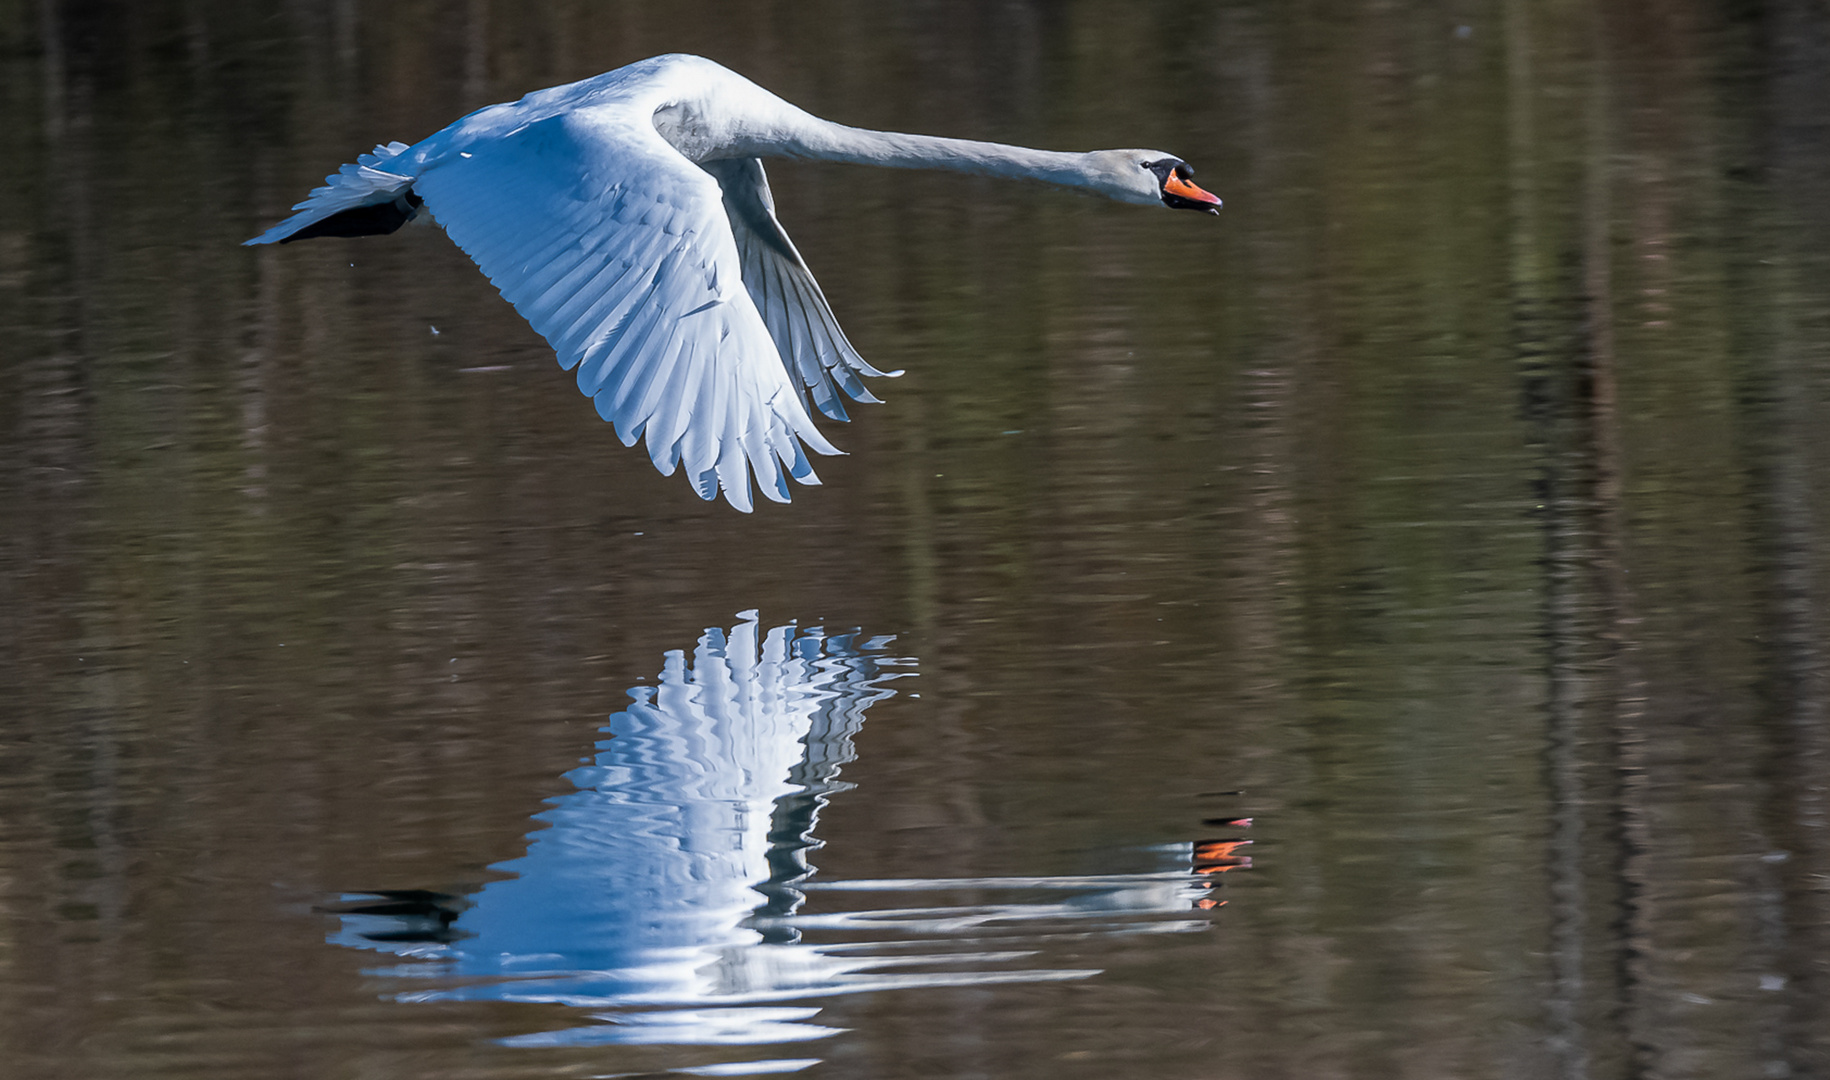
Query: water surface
point(1450, 507)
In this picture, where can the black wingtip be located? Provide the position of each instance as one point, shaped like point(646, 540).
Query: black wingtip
point(377, 220)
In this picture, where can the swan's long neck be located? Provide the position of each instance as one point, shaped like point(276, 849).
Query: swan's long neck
point(730, 116)
point(826, 141)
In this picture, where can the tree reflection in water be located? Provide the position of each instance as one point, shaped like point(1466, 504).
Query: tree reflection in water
point(669, 888)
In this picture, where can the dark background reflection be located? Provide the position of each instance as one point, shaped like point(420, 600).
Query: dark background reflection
point(1456, 495)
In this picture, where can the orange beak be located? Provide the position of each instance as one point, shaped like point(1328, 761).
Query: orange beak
point(1187, 189)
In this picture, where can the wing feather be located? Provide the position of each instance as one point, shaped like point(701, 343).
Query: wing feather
point(794, 339)
point(846, 375)
point(678, 407)
point(813, 349)
point(605, 308)
point(732, 471)
point(635, 395)
point(370, 181)
point(698, 442)
point(620, 253)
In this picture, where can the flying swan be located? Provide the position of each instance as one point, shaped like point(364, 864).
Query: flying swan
point(628, 220)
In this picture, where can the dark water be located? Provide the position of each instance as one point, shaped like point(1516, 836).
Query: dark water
point(1451, 508)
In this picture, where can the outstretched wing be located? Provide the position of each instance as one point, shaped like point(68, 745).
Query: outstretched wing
point(807, 335)
point(617, 250)
point(366, 190)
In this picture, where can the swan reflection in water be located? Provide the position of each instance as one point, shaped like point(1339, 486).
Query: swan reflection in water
point(668, 890)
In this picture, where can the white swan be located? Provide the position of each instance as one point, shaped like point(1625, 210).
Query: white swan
point(628, 220)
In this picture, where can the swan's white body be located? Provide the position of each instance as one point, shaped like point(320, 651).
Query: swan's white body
point(628, 219)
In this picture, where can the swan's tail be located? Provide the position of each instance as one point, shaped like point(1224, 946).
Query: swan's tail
point(363, 199)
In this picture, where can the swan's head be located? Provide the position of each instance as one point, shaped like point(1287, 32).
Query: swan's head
point(1149, 178)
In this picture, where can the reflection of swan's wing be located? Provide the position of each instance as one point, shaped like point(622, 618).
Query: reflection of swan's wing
point(616, 249)
point(853, 673)
point(798, 316)
point(657, 857)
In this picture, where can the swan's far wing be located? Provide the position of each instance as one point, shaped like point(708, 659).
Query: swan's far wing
point(792, 305)
point(616, 249)
point(367, 184)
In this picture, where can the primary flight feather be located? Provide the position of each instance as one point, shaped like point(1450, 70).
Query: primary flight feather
point(628, 219)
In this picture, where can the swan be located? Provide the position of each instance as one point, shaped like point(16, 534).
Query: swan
point(628, 219)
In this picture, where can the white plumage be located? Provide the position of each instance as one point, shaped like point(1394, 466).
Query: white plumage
point(628, 219)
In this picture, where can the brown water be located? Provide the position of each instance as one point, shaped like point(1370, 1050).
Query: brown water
point(1452, 507)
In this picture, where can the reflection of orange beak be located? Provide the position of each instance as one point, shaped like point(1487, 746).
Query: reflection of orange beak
point(1208, 850)
point(1187, 189)
point(1218, 856)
